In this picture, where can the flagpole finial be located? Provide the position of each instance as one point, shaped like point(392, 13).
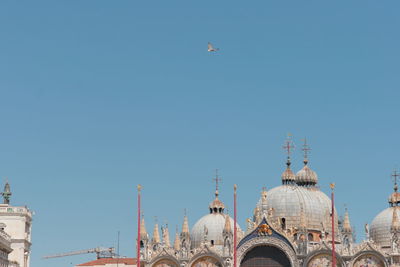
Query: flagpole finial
point(332, 186)
point(235, 187)
point(139, 187)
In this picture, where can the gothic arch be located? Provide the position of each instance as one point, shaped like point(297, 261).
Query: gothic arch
point(267, 241)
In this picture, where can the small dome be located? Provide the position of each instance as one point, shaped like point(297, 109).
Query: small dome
point(210, 227)
point(306, 176)
point(380, 227)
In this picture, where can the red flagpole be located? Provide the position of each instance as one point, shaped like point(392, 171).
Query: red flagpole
point(139, 187)
point(234, 227)
point(333, 226)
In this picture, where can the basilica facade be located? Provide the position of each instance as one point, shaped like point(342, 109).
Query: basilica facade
point(291, 226)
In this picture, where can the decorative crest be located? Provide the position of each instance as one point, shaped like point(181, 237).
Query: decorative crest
point(306, 150)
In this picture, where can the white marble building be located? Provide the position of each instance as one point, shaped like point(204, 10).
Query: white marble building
point(17, 223)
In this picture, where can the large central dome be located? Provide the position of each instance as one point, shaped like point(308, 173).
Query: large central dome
point(289, 201)
point(298, 202)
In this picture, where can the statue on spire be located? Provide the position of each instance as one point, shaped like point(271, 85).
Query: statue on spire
point(7, 193)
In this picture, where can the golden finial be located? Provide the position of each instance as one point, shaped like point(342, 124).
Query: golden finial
point(332, 186)
point(235, 188)
point(139, 187)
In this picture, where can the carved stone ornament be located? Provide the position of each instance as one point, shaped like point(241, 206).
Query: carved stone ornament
point(267, 241)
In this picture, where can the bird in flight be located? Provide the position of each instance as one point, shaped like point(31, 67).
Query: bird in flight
point(211, 48)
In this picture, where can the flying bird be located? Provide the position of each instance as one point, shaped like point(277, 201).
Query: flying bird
point(211, 48)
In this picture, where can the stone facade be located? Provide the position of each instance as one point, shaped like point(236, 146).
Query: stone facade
point(17, 223)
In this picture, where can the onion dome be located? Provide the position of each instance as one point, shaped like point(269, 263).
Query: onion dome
point(306, 176)
point(288, 177)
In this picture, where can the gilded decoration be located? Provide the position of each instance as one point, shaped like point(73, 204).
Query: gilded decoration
point(264, 229)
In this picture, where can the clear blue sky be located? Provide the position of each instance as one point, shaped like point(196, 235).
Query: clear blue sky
point(98, 96)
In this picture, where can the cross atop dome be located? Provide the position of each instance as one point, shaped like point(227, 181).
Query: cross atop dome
point(288, 147)
point(394, 199)
point(395, 176)
point(306, 150)
point(217, 179)
point(288, 176)
point(217, 206)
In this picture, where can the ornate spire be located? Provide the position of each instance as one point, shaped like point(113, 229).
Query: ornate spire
point(143, 232)
point(216, 206)
point(394, 199)
point(395, 227)
point(156, 234)
point(346, 222)
point(177, 242)
point(227, 226)
point(288, 176)
point(7, 193)
point(165, 236)
point(185, 226)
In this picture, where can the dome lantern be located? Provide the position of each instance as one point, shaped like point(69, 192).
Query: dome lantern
point(288, 177)
point(216, 206)
point(306, 176)
point(394, 198)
